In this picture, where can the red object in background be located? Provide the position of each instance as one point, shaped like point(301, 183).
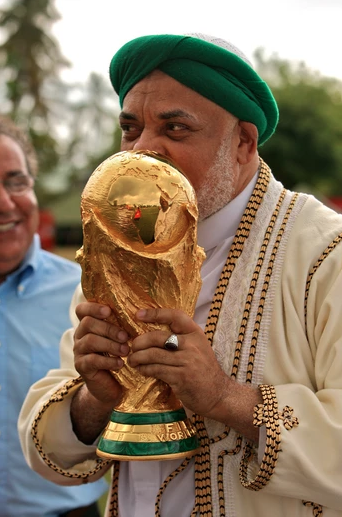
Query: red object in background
point(337, 202)
point(137, 214)
point(47, 230)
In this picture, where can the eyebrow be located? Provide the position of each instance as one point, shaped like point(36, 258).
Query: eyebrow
point(164, 115)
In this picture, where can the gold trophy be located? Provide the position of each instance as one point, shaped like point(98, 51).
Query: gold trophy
point(139, 217)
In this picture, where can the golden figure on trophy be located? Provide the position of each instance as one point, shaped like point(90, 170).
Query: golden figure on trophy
point(139, 217)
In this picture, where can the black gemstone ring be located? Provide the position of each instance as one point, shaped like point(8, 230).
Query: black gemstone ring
point(171, 343)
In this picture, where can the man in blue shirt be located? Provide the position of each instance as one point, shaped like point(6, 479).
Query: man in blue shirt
point(35, 292)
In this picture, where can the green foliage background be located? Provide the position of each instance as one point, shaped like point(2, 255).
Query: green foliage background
point(307, 146)
point(74, 126)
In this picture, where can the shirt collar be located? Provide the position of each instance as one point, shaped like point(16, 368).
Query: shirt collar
point(224, 223)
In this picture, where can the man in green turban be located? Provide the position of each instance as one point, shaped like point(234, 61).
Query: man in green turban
point(258, 366)
point(222, 76)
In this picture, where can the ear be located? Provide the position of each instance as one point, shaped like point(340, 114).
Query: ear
point(248, 144)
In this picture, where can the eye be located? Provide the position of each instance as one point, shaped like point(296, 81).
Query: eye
point(126, 127)
point(130, 131)
point(176, 130)
point(21, 181)
point(177, 126)
point(18, 184)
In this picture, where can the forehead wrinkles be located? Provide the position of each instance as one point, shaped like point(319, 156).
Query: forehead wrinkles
point(164, 98)
point(162, 115)
point(160, 108)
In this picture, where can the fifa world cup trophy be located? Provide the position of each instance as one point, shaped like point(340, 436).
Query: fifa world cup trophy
point(139, 217)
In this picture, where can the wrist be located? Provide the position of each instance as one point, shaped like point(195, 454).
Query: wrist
point(88, 415)
point(236, 408)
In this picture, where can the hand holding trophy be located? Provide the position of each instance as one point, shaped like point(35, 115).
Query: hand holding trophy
point(139, 218)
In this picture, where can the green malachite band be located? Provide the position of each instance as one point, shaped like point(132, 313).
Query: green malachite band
point(148, 418)
point(148, 448)
point(214, 72)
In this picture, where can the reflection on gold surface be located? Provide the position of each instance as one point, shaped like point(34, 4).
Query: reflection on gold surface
point(140, 250)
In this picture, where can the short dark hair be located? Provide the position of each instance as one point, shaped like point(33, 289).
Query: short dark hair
point(10, 129)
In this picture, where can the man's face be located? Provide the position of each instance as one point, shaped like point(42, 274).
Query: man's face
point(162, 115)
point(18, 214)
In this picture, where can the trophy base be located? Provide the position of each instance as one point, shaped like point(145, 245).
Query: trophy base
point(148, 436)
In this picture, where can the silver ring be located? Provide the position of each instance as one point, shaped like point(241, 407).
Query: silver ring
point(171, 343)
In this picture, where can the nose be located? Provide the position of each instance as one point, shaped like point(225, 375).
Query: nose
point(148, 141)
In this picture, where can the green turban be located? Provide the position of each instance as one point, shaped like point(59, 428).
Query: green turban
point(210, 70)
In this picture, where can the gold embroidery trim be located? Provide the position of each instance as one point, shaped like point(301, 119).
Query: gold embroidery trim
point(273, 433)
point(265, 414)
point(246, 314)
point(249, 300)
point(182, 467)
point(268, 275)
point(287, 417)
point(317, 509)
point(220, 472)
point(113, 508)
point(58, 396)
point(324, 255)
point(261, 415)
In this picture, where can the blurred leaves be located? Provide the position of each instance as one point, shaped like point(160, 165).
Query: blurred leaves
point(306, 147)
point(74, 126)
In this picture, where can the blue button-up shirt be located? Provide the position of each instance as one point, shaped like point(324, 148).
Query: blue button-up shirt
point(34, 312)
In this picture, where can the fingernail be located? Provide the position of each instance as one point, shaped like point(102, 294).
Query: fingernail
point(141, 313)
point(105, 311)
point(124, 349)
point(122, 335)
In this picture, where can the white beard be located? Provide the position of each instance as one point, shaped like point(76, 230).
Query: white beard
point(219, 185)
